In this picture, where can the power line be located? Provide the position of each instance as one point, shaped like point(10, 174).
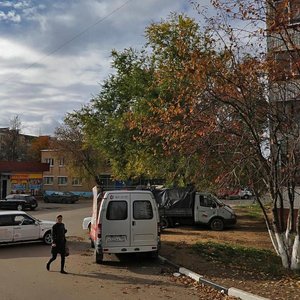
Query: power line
point(75, 37)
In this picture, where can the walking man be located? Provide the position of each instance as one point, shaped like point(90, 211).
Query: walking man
point(58, 243)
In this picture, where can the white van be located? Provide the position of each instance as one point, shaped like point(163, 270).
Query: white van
point(127, 222)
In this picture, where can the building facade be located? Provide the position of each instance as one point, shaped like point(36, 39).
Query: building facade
point(283, 46)
point(60, 178)
point(283, 43)
point(21, 177)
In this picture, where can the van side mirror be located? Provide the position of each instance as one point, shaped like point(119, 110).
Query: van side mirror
point(214, 205)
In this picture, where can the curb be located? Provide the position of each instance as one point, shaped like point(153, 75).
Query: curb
point(199, 278)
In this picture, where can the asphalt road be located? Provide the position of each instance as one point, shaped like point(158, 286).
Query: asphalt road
point(24, 276)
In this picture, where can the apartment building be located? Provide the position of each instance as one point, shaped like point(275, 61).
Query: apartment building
point(283, 42)
point(283, 45)
point(60, 178)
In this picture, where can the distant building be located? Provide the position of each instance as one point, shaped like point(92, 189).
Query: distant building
point(59, 178)
point(21, 177)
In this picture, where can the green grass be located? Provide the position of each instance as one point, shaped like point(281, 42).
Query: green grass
point(248, 259)
point(253, 211)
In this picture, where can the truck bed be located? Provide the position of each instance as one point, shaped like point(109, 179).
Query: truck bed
point(176, 212)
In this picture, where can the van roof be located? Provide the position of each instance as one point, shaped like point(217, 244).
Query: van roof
point(130, 192)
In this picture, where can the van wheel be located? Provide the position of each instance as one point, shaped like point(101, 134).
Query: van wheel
point(19, 207)
point(47, 238)
point(92, 243)
point(217, 224)
point(153, 254)
point(98, 257)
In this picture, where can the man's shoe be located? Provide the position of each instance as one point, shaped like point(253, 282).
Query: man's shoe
point(48, 266)
point(63, 272)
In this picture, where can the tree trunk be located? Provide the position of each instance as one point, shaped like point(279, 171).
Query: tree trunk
point(295, 260)
point(282, 250)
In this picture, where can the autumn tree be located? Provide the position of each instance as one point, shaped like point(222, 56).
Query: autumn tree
point(82, 159)
point(13, 145)
point(40, 143)
point(259, 94)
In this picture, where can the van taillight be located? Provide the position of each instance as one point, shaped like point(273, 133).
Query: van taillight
point(158, 229)
point(99, 230)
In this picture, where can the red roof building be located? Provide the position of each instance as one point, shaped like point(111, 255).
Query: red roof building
point(21, 177)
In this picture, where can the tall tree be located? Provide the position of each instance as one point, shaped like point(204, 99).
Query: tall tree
point(254, 92)
point(13, 145)
point(82, 159)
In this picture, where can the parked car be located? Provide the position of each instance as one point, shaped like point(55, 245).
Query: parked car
point(242, 193)
point(61, 197)
point(19, 202)
point(18, 226)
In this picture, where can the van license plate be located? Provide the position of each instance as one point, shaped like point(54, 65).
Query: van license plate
point(116, 238)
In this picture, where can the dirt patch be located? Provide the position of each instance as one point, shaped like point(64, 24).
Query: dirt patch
point(177, 246)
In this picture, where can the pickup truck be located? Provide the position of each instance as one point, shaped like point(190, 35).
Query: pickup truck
point(183, 206)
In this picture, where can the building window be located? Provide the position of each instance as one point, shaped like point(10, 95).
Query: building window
point(49, 161)
point(61, 161)
point(76, 181)
point(295, 11)
point(287, 64)
point(48, 180)
point(281, 12)
point(62, 180)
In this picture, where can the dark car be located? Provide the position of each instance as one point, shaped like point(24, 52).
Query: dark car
point(61, 197)
point(19, 202)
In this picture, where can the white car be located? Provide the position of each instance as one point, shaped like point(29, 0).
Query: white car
point(18, 226)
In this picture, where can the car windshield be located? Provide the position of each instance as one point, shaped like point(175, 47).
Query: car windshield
point(35, 219)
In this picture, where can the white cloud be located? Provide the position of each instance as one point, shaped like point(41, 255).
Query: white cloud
point(10, 16)
point(17, 5)
point(53, 54)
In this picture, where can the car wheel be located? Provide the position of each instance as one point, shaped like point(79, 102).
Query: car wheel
point(19, 207)
point(98, 257)
point(246, 197)
point(46, 200)
point(217, 224)
point(47, 238)
point(164, 222)
point(32, 208)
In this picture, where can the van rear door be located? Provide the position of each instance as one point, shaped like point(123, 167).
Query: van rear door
point(115, 230)
point(143, 221)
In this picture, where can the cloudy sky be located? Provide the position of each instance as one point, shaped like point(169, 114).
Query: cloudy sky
point(54, 54)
